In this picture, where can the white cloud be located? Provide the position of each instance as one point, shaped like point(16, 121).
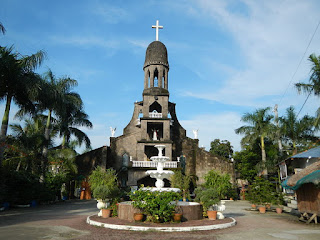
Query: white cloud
point(111, 14)
point(272, 37)
point(212, 126)
point(139, 43)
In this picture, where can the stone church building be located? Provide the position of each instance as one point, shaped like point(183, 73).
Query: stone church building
point(154, 121)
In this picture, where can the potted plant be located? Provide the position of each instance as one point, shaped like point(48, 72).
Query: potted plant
point(106, 212)
point(103, 183)
point(156, 205)
point(138, 215)
point(177, 215)
point(263, 192)
point(208, 198)
point(252, 197)
point(214, 189)
point(279, 202)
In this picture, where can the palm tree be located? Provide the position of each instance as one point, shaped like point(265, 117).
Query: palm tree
point(68, 110)
point(260, 127)
point(2, 29)
point(293, 130)
point(53, 100)
point(314, 82)
point(29, 140)
point(68, 126)
point(18, 83)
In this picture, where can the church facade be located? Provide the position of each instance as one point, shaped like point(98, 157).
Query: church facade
point(154, 121)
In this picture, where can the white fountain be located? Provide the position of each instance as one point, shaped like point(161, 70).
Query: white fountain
point(191, 210)
point(160, 174)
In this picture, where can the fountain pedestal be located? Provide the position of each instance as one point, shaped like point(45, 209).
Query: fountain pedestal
point(160, 174)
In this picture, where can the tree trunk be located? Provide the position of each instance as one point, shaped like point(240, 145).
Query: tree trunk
point(295, 149)
point(264, 158)
point(4, 128)
point(63, 145)
point(44, 160)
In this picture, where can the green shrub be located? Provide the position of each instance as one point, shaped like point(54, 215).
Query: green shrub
point(216, 187)
point(207, 197)
point(157, 205)
point(181, 181)
point(262, 191)
point(103, 183)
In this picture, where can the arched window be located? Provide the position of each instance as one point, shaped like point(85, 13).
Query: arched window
point(163, 77)
point(148, 78)
point(125, 160)
point(156, 78)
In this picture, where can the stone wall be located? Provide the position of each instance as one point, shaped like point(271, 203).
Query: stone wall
point(88, 161)
point(199, 161)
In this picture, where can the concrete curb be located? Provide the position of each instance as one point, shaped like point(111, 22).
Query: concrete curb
point(162, 229)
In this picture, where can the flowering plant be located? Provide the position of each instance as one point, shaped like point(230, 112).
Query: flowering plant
point(159, 206)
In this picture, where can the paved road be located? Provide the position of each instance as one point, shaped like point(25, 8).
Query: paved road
point(67, 221)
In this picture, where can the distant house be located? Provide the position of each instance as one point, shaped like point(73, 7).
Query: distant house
point(302, 174)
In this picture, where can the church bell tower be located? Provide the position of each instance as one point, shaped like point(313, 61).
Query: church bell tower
point(153, 122)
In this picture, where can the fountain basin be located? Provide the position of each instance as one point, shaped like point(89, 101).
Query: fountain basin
point(160, 159)
point(190, 210)
point(161, 175)
point(163, 189)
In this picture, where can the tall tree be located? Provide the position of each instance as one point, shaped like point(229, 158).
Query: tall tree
point(29, 140)
point(294, 130)
point(314, 82)
point(54, 101)
point(221, 148)
point(18, 83)
point(260, 126)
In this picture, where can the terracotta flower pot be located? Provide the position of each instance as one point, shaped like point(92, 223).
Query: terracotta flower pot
point(177, 217)
point(262, 209)
point(254, 206)
point(279, 210)
point(212, 215)
point(138, 217)
point(106, 213)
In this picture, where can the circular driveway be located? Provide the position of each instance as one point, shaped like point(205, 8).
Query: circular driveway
point(67, 220)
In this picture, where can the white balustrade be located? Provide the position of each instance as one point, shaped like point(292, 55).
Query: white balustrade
point(155, 115)
point(151, 164)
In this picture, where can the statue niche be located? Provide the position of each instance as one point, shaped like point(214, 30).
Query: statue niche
point(155, 106)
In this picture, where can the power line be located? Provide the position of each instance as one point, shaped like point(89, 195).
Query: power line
point(304, 103)
point(299, 65)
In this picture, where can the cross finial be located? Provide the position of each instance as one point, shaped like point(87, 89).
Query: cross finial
point(157, 29)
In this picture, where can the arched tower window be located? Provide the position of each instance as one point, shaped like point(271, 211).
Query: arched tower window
point(148, 78)
point(156, 78)
point(163, 78)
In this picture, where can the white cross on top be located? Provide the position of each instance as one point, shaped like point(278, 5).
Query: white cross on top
point(157, 29)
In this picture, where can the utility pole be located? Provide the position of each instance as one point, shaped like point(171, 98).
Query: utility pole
point(276, 119)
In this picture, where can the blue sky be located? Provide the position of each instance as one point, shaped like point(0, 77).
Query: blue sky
point(226, 57)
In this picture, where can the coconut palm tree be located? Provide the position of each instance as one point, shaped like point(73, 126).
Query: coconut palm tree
point(2, 29)
point(260, 126)
point(294, 131)
point(18, 83)
point(314, 82)
point(29, 140)
point(53, 100)
point(68, 126)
